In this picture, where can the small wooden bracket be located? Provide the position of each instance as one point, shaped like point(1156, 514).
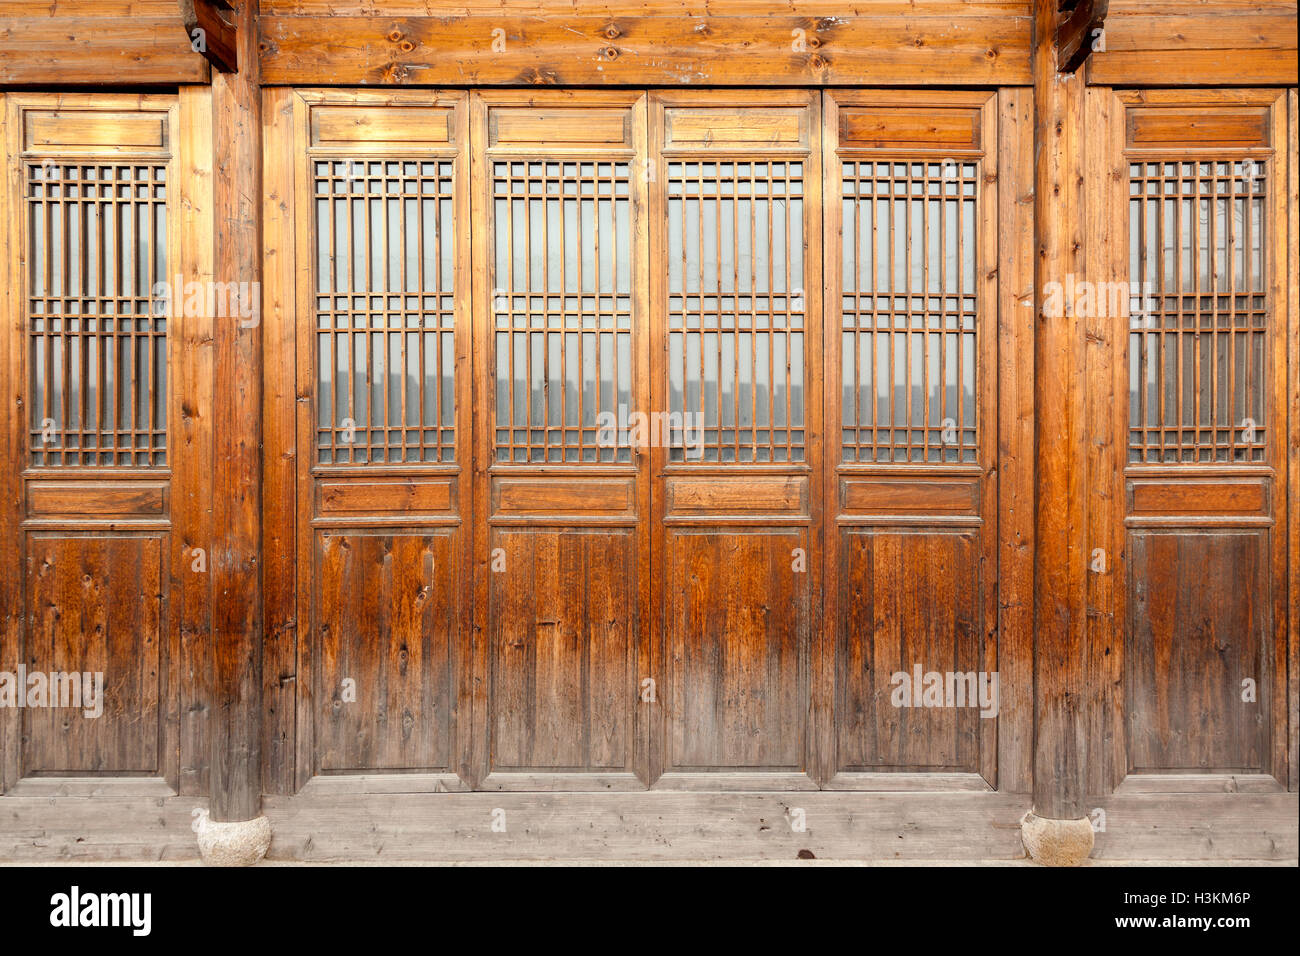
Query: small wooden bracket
point(1076, 26)
point(210, 25)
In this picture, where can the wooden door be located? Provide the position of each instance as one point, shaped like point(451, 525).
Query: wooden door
point(911, 479)
point(1196, 189)
point(562, 358)
point(99, 463)
point(379, 184)
point(736, 303)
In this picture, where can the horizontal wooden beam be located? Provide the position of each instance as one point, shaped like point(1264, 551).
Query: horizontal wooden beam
point(975, 50)
point(97, 50)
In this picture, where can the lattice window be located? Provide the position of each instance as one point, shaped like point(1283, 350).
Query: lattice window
point(562, 310)
point(1197, 366)
point(909, 311)
point(736, 310)
point(97, 334)
point(385, 311)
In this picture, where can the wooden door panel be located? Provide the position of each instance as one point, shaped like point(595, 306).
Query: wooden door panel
point(736, 236)
point(91, 193)
point(1199, 184)
point(910, 605)
point(912, 446)
point(561, 363)
point(96, 607)
point(737, 619)
point(1199, 627)
point(387, 620)
point(381, 331)
point(563, 639)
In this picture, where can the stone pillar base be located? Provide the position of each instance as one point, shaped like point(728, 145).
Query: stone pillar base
point(1056, 842)
point(231, 844)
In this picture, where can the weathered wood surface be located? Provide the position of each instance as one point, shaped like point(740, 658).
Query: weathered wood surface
point(1213, 43)
point(236, 642)
point(652, 827)
point(741, 44)
point(68, 42)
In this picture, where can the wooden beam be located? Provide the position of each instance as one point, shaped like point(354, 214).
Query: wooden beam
point(211, 29)
point(482, 49)
point(236, 782)
point(1075, 31)
point(1060, 352)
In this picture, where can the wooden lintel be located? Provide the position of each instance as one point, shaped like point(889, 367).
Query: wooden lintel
point(1075, 29)
point(210, 26)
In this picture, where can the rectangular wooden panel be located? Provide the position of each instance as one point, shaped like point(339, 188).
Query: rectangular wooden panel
point(562, 640)
point(412, 126)
point(389, 496)
point(564, 496)
point(910, 604)
point(758, 494)
point(45, 128)
point(737, 627)
point(95, 499)
point(1228, 497)
point(687, 127)
point(96, 608)
point(1240, 128)
point(1198, 674)
point(936, 128)
point(386, 627)
point(579, 126)
point(902, 496)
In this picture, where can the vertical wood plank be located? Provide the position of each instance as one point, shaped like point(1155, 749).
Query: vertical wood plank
point(237, 472)
point(1293, 376)
point(1061, 707)
point(1015, 400)
point(279, 503)
point(191, 438)
point(11, 446)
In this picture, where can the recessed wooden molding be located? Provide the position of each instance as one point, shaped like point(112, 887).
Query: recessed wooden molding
point(387, 125)
point(94, 128)
point(210, 26)
point(1212, 128)
point(887, 126)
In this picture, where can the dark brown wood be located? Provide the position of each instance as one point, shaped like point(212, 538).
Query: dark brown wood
point(1077, 30)
point(236, 733)
point(210, 26)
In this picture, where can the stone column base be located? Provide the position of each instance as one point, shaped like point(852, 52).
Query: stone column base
point(231, 844)
point(1056, 842)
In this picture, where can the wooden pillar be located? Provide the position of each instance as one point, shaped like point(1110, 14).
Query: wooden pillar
point(237, 473)
point(1061, 548)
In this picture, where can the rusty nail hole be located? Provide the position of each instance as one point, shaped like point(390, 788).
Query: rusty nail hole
point(612, 32)
point(406, 46)
point(610, 53)
point(395, 35)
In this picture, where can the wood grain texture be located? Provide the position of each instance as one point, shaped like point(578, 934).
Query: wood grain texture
point(1218, 43)
point(97, 607)
point(236, 760)
point(973, 48)
point(387, 624)
point(564, 646)
point(1200, 622)
point(906, 599)
point(120, 42)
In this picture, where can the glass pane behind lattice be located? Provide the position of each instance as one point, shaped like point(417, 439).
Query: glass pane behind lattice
point(97, 334)
point(1197, 346)
point(385, 311)
point(562, 310)
point(909, 312)
point(736, 311)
